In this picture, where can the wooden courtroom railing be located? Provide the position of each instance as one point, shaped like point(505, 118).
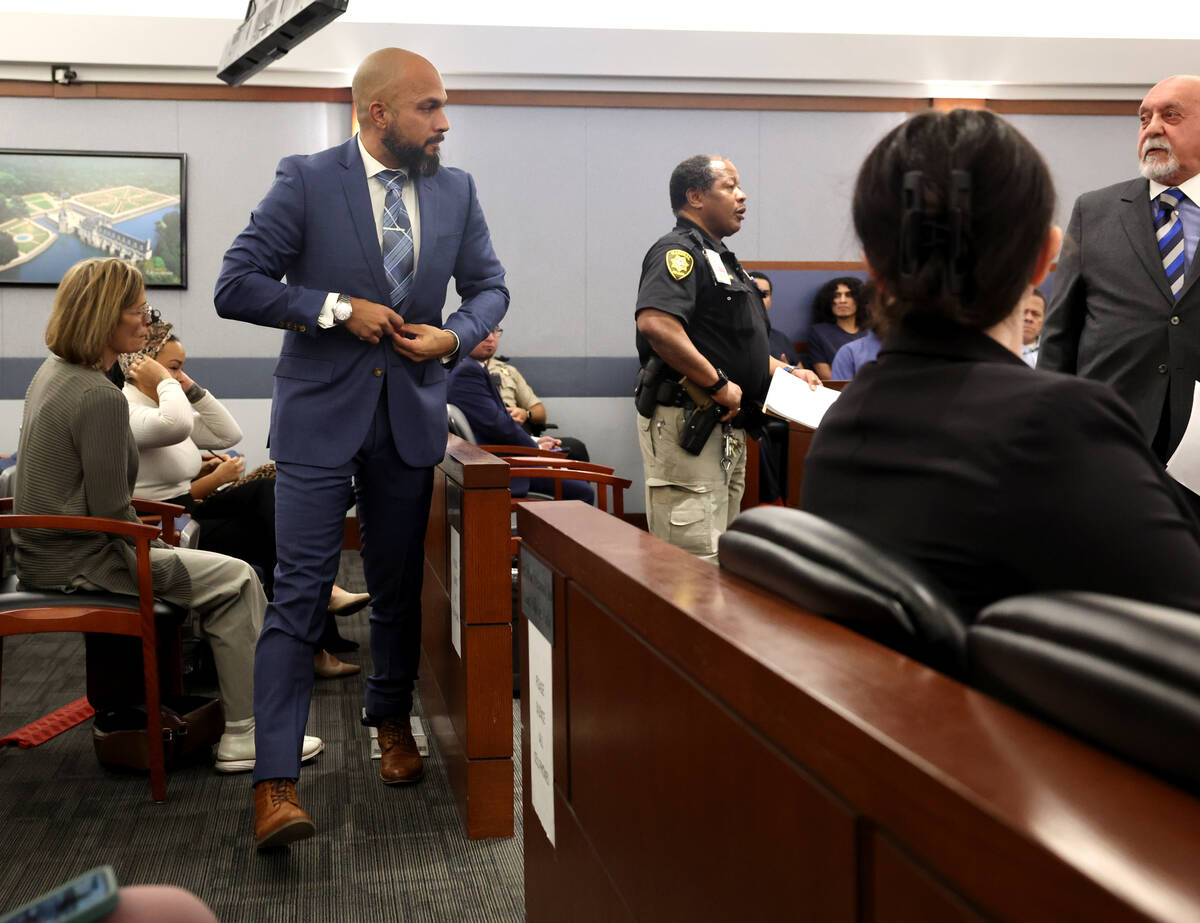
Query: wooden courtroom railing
point(714, 753)
point(466, 635)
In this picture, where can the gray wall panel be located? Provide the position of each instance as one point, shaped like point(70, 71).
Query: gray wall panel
point(810, 161)
point(1084, 152)
point(528, 165)
point(631, 153)
point(233, 149)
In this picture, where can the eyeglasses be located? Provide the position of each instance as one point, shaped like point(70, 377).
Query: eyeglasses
point(499, 331)
point(149, 314)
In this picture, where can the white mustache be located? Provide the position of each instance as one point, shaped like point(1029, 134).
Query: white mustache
point(1155, 144)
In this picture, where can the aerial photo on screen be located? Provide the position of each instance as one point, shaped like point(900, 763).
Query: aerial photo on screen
point(57, 209)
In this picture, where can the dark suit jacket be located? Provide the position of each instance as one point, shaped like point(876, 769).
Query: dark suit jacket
point(1111, 316)
point(316, 227)
point(1000, 479)
point(471, 390)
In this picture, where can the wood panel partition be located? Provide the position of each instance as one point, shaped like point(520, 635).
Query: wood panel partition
point(718, 754)
point(466, 635)
point(799, 440)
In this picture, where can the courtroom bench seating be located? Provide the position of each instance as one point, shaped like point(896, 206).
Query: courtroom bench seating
point(1122, 674)
point(715, 752)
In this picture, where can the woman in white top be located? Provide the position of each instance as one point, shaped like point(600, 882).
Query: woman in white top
point(173, 419)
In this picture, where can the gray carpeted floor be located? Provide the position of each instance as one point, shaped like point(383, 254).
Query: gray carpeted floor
point(380, 853)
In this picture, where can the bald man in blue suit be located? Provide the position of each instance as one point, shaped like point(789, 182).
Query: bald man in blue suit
point(360, 395)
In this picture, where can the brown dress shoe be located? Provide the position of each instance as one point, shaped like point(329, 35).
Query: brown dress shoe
point(399, 762)
point(278, 817)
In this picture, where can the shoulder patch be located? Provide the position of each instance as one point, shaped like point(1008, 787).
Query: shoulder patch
point(679, 264)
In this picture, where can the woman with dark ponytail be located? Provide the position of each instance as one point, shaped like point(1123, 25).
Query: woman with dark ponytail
point(996, 478)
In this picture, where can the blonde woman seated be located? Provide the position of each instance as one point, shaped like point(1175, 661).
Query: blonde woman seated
point(78, 458)
point(172, 419)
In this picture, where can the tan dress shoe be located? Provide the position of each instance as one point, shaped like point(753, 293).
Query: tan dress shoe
point(349, 603)
point(399, 761)
point(326, 666)
point(278, 817)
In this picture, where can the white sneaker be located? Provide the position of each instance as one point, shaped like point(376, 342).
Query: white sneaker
point(235, 752)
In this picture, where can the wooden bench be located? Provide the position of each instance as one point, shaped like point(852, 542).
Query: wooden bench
point(718, 754)
point(466, 635)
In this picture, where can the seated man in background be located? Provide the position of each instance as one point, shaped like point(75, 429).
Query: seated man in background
point(472, 389)
point(781, 345)
point(1033, 313)
point(525, 407)
point(857, 353)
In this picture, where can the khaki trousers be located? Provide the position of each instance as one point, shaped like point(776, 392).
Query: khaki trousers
point(229, 601)
point(689, 500)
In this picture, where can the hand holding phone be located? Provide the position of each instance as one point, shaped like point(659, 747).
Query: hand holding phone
point(81, 900)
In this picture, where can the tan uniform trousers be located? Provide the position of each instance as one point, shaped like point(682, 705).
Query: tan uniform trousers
point(689, 500)
point(229, 602)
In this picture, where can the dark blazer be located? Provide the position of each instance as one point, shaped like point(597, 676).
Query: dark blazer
point(1000, 479)
point(316, 227)
point(1111, 316)
point(471, 390)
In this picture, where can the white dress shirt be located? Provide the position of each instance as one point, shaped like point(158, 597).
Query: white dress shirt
point(378, 191)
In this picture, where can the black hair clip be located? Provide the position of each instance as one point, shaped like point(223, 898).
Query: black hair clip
point(960, 224)
point(911, 216)
point(922, 235)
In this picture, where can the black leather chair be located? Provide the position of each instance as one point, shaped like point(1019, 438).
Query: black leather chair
point(832, 572)
point(1123, 674)
point(458, 424)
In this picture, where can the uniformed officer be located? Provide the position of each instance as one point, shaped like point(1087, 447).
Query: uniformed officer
point(702, 315)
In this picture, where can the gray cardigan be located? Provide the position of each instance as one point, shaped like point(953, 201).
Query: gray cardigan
point(78, 458)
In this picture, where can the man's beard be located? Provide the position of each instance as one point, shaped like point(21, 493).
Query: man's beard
point(412, 157)
point(1158, 170)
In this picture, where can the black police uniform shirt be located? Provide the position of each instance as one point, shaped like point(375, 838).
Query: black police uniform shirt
point(726, 321)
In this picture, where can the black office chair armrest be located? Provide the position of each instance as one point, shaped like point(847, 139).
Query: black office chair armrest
point(1121, 673)
point(834, 573)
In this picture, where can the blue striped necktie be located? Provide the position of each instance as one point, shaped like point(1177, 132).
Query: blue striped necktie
point(397, 236)
point(1169, 230)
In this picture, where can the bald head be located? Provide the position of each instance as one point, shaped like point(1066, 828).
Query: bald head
point(382, 73)
point(400, 103)
point(1169, 139)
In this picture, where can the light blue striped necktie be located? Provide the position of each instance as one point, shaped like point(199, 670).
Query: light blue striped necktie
point(1169, 230)
point(397, 236)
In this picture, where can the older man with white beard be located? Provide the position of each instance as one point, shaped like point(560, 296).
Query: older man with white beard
point(1125, 307)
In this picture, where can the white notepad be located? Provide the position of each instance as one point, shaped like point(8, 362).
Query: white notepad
point(1184, 465)
point(791, 398)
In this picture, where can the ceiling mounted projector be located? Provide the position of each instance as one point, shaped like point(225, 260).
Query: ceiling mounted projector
point(271, 31)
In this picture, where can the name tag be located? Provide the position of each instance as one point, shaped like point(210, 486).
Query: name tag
point(718, 266)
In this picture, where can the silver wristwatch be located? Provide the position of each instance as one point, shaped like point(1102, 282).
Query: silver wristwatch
point(342, 309)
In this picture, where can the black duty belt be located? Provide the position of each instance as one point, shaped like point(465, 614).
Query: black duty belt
point(671, 394)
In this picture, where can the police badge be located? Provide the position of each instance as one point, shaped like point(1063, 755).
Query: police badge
point(679, 264)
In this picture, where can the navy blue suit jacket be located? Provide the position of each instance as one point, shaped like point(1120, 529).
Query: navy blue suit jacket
point(472, 391)
point(315, 226)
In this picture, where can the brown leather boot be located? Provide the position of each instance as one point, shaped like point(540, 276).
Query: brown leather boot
point(278, 817)
point(399, 763)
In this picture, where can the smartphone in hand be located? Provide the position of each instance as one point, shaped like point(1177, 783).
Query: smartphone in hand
point(89, 897)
